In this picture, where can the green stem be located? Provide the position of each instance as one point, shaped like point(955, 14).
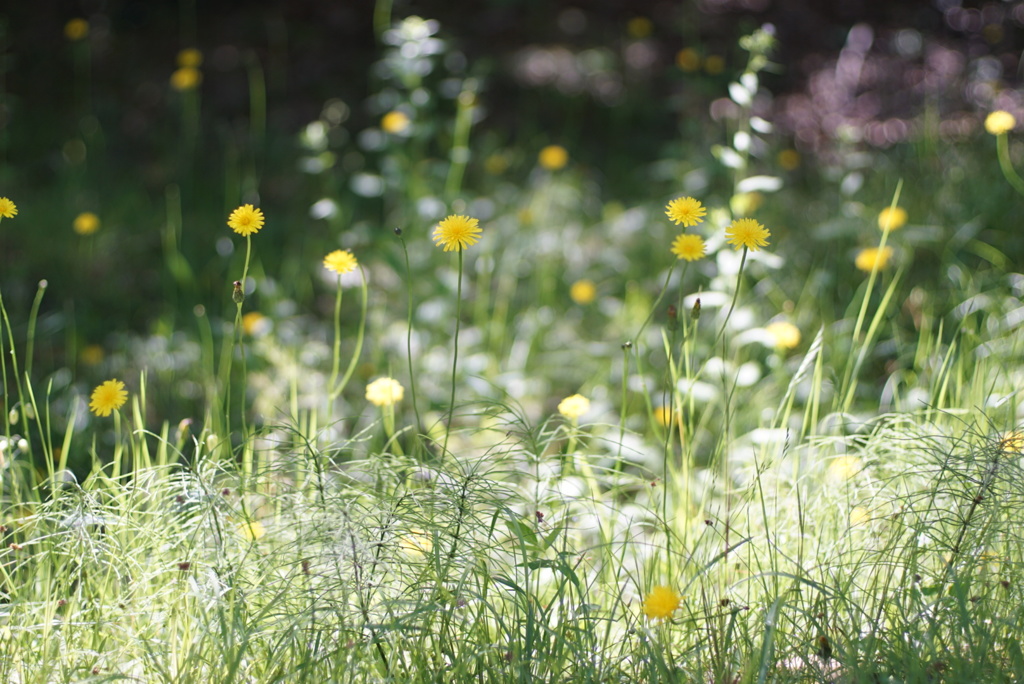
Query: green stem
point(33, 315)
point(735, 296)
point(455, 358)
point(336, 366)
point(408, 330)
point(1003, 151)
point(360, 335)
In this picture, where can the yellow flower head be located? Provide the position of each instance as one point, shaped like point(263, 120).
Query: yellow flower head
point(688, 59)
point(416, 543)
point(746, 232)
point(788, 159)
point(685, 210)
point(666, 416)
point(340, 261)
point(76, 29)
point(661, 602)
point(384, 392)
point(246, 220)
point(7, 208)
point(1000, 122)
point(553, 157)
point(892, 218)
point(91, 355)
point(844, 467)
point(1012, 442)
point(573, 407)
point(86, 223)
point(190, 57)
point(786, 335)
point(252, 530)
point(689, 247)
point(108, 397)
point(714, 64)
point(868, 258)
point(583, 292)
point(639, 27)
point(394, 122)
point(254, 322)
point(186, 78)
point(859, 516)
point(455, 233)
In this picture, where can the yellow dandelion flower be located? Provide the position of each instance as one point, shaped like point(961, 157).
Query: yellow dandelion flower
point(661, 602)
point(108, 397)
point(254, 323)
point(746, 232)
point(1012, 441)
point(252, 530)
point(686, 211)
point(688, 59)
point(844, 468)
point(785, 334)
point(553, 157)
point(86, 223)
point(416, 543)
point(873, 257)
point(7, 208)
point(573, 407)
point(190, 57)
point(666, 416)
point(689, 247)
point(788, 159)
point(395, 122)
point(384, 392)
point(583, 292)
point(76, 29)
point(714, 64)
point(892, 218)
point(639, 27)
point(186, 78)
point(246, 220)
point(1000, 122)
point(340, 261)
point(456, 233)
point(859, 516)
point(746, 202)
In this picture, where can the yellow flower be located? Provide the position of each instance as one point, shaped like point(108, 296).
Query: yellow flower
point(666, 416)
point(455, 233)
point(688, 59)
point(868, 258)
point(1000, 122)
point(714, 64)
point(639, 27)
point(844, 467)
point(746, 232)
point(384, 392)
point(254, 322)
point(1012, 442)
point(689, 247)
point(685, 210)
point(108, 397)
point(661, 602)
point(573, 407)
point(583, 292)
point(91, 355)
point(190, 57)
point(786, 335)
point(859, 516)
point(745, 202)
point(788, 159)
point(416, 543)
point(76, 29)
point(7, 208)
point(252, 530)
point(394, 122)
point(553, 157)
point(186, 78)
point(892, 218)
point(496, 164)
point(340, 261)
point(246, 220)
point(86, 223)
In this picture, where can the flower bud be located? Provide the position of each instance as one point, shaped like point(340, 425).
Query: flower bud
point(236, 294)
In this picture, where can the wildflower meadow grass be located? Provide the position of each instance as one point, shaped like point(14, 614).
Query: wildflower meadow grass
point(409, 401)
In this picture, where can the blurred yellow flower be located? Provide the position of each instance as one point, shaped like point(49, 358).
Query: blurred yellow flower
point(661, 602)
point(714, 64)
point(496, 164)
point(186, 78)
point(76, 29)
point(91, 355)
point(688, 59)
point(573, 407)
point(7, 208)
point(686, 211)
point(416, 543)
point(1000, 122)
point(1012, 441)
point(395, 122)
point(892, 218)
point(384, 392)
point(872, 257)
point(108, 397)
point(639, 27)
point(788, 159)
point(190, 57)
point(340, 261)
point(553, 157)
point(583, 291)
point(689, 247)
point(746, 232)
point(786, 335)
point(254, 322)
point(455, 233)
point(844, 467)
point(666, 416)
point(246, 220)
point(859, 516)
point(252, 530)
point(86, 223)
point(745, 202)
